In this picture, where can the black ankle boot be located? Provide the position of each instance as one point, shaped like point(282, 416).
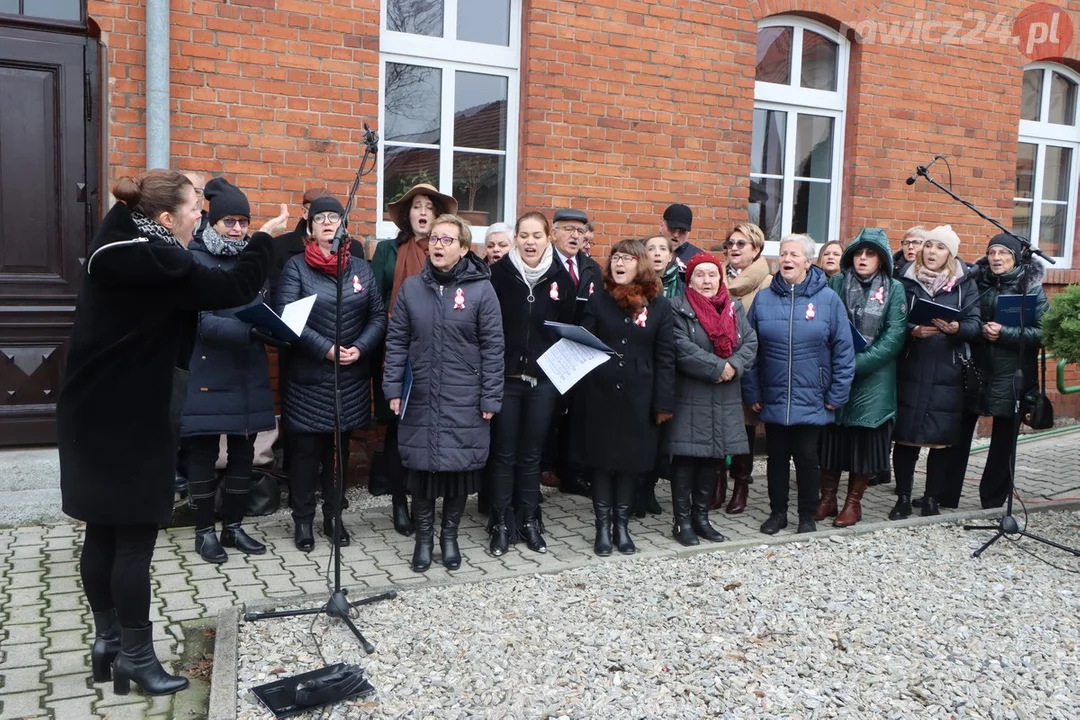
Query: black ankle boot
point(304, 536)
point(499, 531)
point(775, 523)
point(807, 524)
point(402, 521)
point(681, 529)
point(424, 524)
point(138, 663)
point(106, 645)
point(902, 509)
point(208, 547)
point(344, 538)
point(930, 506)
point(232, 535)
point(453, 507)
point(700, 500)
point(530, 527)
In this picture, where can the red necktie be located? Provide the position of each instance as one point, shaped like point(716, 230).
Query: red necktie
point(573, 273)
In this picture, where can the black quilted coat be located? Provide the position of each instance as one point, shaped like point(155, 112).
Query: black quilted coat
point(308, 403)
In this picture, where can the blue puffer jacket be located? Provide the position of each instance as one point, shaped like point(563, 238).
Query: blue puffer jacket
point(308, 403)
point(805, 355)
point(229, 389)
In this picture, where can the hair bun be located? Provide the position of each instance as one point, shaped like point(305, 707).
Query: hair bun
point(128, 190)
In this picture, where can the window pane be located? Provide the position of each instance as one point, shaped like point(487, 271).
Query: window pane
point(774, 55)
point(1062, 100)
point(1025, 171)
point(480, 187)
point(766, 206)
point(1029, 103)
point(1056, 179)
point(484, 21)
point(814, 147)
point(54, 9)
point(480, 111)
point(1052, 229)
point(406, 167)
point(811, 212)
point(413, 103)
point(767, 145)
point(417, 17)
point(9, 6)
point(819, 61)
point(1021, 224)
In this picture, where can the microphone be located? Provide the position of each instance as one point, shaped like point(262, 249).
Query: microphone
point(922, 170)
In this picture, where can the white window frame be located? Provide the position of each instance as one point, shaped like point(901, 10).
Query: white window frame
point(797, 100)
point(1043, 134)
point(444, 53)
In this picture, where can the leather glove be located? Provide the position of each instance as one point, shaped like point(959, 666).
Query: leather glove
point(262, 336)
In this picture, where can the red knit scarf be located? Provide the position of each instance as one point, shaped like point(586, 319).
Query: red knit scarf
point(313, 254)
point(717, 315)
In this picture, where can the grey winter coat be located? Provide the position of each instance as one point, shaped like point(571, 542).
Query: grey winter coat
point(708, 420)
point(451, 335)
point(308, 402)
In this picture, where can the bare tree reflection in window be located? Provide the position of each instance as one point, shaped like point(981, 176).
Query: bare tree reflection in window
point(413, 102)
point(416, 17)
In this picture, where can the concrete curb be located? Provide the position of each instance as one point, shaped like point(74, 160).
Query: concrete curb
point(224, 684)
point(223, 681)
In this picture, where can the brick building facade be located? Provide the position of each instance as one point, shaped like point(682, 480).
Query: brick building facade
point(801, 114)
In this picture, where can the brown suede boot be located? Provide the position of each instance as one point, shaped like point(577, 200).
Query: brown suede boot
point(830, 485)
point(719, 494)
point(852, 512)
point(741, 468)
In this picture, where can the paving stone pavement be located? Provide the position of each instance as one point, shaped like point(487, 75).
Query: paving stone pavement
point(46, 629)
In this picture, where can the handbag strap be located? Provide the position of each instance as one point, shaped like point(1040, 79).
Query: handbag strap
point(1042, 355)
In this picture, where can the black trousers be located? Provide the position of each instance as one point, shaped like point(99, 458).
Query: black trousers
point(312, 466)
point(115, 569)
point(782, 443)
point(398, 474)
point(203, 481)
point(938, 464)
point(517, 435)
point(994, 485)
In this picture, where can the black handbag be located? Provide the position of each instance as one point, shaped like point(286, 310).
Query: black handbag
point(974, 382)
point(1036, 410)
point(264, 495)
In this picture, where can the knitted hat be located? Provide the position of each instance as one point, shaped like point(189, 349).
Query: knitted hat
point(225, 199)
point(944, 234)
point(702, 258)
point(1008, 242)
point(327, 203)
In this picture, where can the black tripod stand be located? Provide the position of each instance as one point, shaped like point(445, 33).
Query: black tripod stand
point(338, 606)
point(1007, 526)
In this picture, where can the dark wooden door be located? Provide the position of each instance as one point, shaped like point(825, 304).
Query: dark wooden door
point(46, 216)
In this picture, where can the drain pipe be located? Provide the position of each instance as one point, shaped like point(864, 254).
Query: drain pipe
point(157, 84)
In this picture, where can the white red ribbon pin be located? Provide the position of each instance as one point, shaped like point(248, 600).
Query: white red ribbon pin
point(680, 263)
point(592, 287)
point(810, 311)
point(554, 291)
point(459, 299)
point(357, 286)
point(640, 321)
point(879, 295)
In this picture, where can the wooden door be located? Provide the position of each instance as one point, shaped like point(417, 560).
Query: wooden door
point(47, 196)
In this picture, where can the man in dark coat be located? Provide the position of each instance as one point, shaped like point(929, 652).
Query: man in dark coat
point(676, 224)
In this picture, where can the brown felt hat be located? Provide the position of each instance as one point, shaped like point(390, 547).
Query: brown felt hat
point(399, 211)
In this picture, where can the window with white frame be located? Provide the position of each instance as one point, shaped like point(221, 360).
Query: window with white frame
point(800, 94)
point(448, 104)
point(1044, 203)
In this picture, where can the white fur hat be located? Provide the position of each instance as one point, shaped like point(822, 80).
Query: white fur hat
point(944, 234)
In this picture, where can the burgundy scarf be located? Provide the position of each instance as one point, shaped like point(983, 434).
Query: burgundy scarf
point(313, 254)
point(717, 316)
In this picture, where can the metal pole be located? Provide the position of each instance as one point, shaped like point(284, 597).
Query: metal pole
point(157, 84)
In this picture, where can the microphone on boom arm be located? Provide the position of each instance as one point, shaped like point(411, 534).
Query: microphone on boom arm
point(922, 170)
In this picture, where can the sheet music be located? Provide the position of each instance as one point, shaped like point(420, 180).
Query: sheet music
point(295, 314)
point(566, 362)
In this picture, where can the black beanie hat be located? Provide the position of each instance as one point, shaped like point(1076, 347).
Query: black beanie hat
point(325, 204)
point(225, 199)
point(1008, 242)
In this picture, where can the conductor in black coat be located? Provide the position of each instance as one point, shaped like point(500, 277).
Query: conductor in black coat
point(118, 413)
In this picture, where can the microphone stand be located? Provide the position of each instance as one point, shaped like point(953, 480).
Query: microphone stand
point(338, 606)
point(1007, 525)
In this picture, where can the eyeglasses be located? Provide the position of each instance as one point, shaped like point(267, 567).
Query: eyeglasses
point(231, 222)
point(444, 241)
point(326, 218)
point(740, 244)
point(621, 259)
point(571, 229)
point(911, 243)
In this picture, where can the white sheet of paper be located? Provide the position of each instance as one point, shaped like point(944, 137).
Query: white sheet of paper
point(295, 314)
point(566, 362)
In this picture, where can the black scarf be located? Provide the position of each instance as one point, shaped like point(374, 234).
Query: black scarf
point(222, 246)
point(866, 301)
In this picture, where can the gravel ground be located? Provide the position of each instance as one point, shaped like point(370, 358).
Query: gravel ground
point(899, 623)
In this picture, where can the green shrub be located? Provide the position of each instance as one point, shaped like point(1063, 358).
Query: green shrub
point(1061, 325)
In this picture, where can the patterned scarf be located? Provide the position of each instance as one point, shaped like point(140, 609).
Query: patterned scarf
point(866, 301)
point(153, 230)
point(222, 246)
point(670, 279)
point(932, 281)
point(314, 257)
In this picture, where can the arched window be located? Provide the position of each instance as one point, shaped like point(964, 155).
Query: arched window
point(800, 96)
point(1044, 202)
